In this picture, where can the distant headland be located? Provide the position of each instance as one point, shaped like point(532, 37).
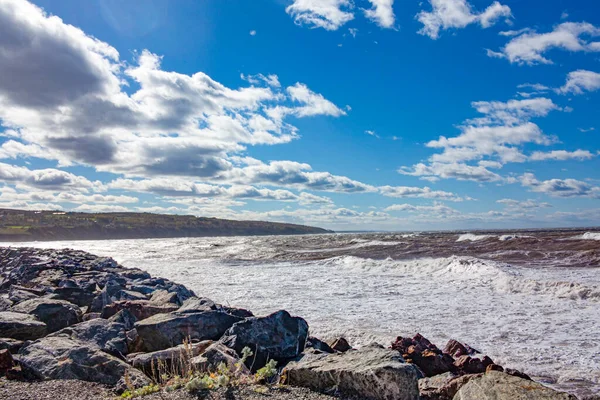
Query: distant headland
point(27, 225)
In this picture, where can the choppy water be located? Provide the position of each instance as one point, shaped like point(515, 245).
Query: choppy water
point(530, 300)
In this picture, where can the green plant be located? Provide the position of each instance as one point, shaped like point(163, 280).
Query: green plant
point(143, 391)
point(267, 372)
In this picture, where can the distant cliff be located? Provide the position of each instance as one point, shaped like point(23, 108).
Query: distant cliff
point(21, 225)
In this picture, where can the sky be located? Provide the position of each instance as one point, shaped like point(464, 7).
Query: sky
point(345, 114)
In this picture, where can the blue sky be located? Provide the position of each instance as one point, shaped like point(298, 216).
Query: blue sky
point(362, 114)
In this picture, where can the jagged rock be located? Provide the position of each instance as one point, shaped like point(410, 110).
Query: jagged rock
point(443, 386)
point(5, 304)
point(500, 386)
point(164, 297)
point(341, 345)
point(56, 314)
point(162, 331)
point(108, 294)
point(141, 309)
point(278, 336)
point(424, 354)
point(91, 316)
point(172, 357)
point(201, 304)
point(21, 326)
point(60, 357)
point(371, 372)
point(473, 365)
point(457, 349)
point(134, 274)
point(76, 295)
point(106, 335)
point(130, 295)
point(214, 355)
point(6, 361)
point(126, 318)
point(11, 345)
point(18, 296)
point(319, 345)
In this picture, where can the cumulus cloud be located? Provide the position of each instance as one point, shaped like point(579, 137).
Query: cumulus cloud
point(46, 179)
point(449, 14)
point(438, 210)
point(418, 192)
point(327, 14)
point(382, 13)
point(581, 81)
point(561, 155)
point(492, 140)
point(529, 47)
point(560, 187)
point(521, 205)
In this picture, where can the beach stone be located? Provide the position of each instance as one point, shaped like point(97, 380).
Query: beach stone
point(164, 297)
point(278, 336)
point(457, 349)
point(141, 309)
point(106, 335)
point(61, 357)
point(76, 295)
point(341, 345)
point(126, 318)
point(6, 360)
point(21, 326)
point(56, 314)
point(496, 385)
point(18, 296)
point(162, 331)
point(443, 386)
point(170, 357)
point(371, 372)
point(216, 354)
point(318, 345)
point(473, 365)
point(200, 304)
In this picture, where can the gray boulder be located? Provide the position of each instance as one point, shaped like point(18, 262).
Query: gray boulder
point(495, 385)
point(106, 335)
point(18, 296)
point(56, 314)
point(12, 345)
point(371, 372)
point(216, 354)
point(201, 304)
point(162, 331)
point(60, 357)
point(141, 309)
point(21, 326)
point(126, 318)
point(76, 295)
point(278, 336)
point(443, 386)
point(172, 358)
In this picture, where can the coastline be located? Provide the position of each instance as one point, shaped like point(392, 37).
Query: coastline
point(122, 298)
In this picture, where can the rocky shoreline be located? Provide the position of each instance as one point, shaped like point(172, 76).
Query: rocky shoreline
point(70, 316)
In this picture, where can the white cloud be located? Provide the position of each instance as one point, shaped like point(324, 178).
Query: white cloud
point(100, 208)
point(418, 192)
point(560, 187)
point(438, 210)
point(382, 13)
point(327, 14)
point(520, 205)
point(581, 81)
point(529, 47)
point(459, 171)
point(448, 14)
point(372, 133)
point(561, 155)
point(253, 33)
point(46, 179)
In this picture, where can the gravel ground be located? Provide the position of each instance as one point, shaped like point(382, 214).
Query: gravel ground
point(78, 390)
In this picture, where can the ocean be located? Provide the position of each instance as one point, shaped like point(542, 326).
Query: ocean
point(529, 300)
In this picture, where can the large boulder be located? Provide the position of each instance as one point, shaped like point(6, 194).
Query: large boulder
point(216, 354)
point(172, 358)
point(200, 304)
point(18, 295)
point(371, 372)
point(57, 314)
point(162, 331)
point(106, 335)
point(443, 386)
point(12, 345)
point(141, 309)
point(21, 326)
point(496, 385)
point(82, 297)
point(61, 357)
point(278, 336)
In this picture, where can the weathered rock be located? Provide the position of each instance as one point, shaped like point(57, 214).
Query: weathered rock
point(5, 304)
point(141, 309)
point(6, 361)
point(126, 318)
point(18, 296)
point(421, 352)
point(106, 335)
point(319, 345)
point(108, 294)
point(201, 304)
point(11, 345)
point(56, 314)
point(473, 365)
point(162, 331)
point(278, 336)
point(457, 349)
point(21, 326)
point(130, 295)
point(341, 345)
point(172, 358)
point(216, 354)
point(371, 372)
point(76, 295)
point(60, 357)
point(91, 316)
point(164, 297)
point(495, 385)
point(442, 387)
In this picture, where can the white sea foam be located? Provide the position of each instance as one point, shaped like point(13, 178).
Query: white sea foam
point(588, 236)
point(472, 237)
point(512, 237)
point(542, 321)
